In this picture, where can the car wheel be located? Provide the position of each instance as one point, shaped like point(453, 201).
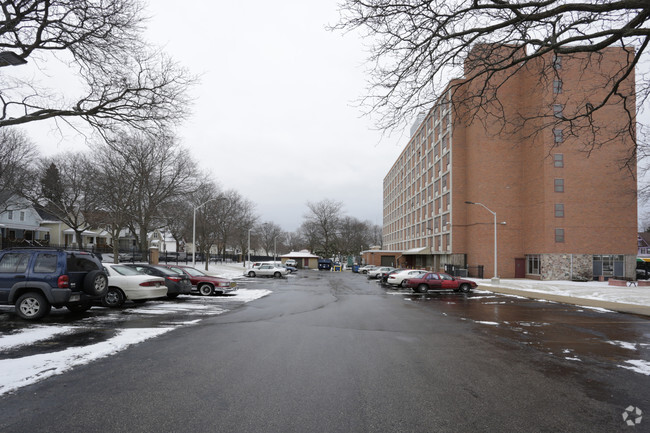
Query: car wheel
point(423, 288)
point(32, 306)
point(78, 308)
point(465, 288)
point(251, 274)
point(403, 284)
point(277, 275)
point(173, 296)
point(96, 283)
point(205, 290)
point(113, 298)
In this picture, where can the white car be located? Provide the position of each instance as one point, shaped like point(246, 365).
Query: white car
point(374, 273)
point(366, 268)
point(126, 283)
point(267, 270)
point(400, 278)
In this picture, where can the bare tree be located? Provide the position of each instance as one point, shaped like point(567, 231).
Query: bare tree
point(268, 234)
point(114, 195)
point(355, 236)
point(419, 46)
point(17, 164)
point(205, 200)
point(122, 82)
point(161, 172)
point(66, 190)
point(323, 223)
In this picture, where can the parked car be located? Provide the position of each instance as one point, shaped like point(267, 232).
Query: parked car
point(125, 283)
point(131, 257)
point(177, 284)
point(267, 270)
point(374, 273)
point(383, 276)
point(203, 283)
point(439, 281)
point(291, 262)
point(37, 279)
point(366, 268)
point(399, 278)
point(290, 268)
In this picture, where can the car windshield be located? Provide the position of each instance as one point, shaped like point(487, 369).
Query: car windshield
point(194, 272)
point(125, 270)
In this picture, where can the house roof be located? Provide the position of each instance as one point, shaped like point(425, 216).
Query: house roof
point(304, 254)
point(644, 237)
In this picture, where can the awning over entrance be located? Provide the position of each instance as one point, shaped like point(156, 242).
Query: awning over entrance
point(416, 251)
point(643, 259)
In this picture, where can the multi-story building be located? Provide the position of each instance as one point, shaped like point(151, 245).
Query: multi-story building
point(554, 191)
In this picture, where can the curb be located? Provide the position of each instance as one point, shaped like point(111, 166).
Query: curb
point(620, 307)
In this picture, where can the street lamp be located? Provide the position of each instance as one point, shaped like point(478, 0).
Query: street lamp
point(495, 278)
point(275, 247)
point(9, 58)
point(249, 246)
point(194, 227)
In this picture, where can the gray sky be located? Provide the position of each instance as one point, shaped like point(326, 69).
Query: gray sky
point(275, 114)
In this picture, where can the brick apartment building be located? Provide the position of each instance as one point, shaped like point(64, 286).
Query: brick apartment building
point(562, 213)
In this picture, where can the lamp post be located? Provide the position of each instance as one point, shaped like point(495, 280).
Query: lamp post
point(495, 278)
point(275, 247)
point(9, 58)
point(249, 246)
point(194, 228)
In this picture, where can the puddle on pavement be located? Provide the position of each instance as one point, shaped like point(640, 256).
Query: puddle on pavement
point(569, 332)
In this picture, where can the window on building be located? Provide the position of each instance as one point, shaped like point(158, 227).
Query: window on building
point(559, 235)
point(10, 214)
point(558, 160)
point(557, 86)
point(22, 215)
point(558, 110)
point(559, 185)
point(559, 210)
point(532, 264)
point(558, 135)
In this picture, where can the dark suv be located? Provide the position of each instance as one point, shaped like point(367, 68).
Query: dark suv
point(35, 280)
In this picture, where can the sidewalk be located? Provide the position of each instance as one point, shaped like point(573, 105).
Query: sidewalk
point(635, 300)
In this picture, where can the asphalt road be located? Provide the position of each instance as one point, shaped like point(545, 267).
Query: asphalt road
point(331, 352)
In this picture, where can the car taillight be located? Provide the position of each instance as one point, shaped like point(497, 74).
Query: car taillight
point(175, 279)
point(150, 284)
point(63, 282)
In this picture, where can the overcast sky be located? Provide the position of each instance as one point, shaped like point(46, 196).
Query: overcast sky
point(276, 116)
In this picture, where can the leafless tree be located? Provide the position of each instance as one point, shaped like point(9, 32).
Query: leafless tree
point(161, 172)
point(114, 194)
point(18, 158)
point(122, 82)
point(205, 200)
point(420, 46)
point(322, 221)
point(355, 236)
point(66, 190)
point(268, 234)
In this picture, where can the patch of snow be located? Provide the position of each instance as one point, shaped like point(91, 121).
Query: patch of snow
point(623, 344)
point(572, 358)
point(486, 323)
point(24, 371)
point(638, 366)
point(31, 335)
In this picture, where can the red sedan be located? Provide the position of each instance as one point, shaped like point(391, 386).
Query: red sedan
point(440, 281)
point(203, 283)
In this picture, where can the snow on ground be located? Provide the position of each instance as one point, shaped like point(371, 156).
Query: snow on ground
point(598, 290)
point(19, 372)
